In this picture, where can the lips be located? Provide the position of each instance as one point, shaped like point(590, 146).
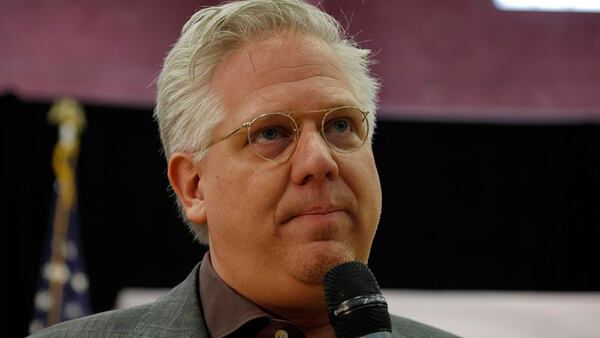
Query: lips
point(316, 204)
point(317, 212)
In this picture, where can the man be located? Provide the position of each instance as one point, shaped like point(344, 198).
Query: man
point(266, 114)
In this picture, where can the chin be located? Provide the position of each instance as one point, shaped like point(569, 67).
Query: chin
point(311, 262)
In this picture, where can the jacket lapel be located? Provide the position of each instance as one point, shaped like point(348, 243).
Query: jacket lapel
point(177, 313)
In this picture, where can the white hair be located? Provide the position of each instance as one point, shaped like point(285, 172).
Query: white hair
point(187, 110)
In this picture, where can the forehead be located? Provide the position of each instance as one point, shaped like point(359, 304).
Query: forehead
point(281, 72)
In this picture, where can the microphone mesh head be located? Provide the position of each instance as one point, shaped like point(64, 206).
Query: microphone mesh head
point(347, 281)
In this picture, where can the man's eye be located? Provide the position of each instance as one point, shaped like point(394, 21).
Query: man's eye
point(269, 133)
point(341, 125)
point(338, 126)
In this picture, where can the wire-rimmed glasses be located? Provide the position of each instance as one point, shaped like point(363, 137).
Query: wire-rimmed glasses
point(273, 136)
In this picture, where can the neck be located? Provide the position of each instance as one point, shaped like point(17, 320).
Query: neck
point(283, 296)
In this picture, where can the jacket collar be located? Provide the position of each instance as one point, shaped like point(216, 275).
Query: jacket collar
point(177, 313)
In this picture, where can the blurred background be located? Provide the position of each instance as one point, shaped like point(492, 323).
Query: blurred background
point(488, 148)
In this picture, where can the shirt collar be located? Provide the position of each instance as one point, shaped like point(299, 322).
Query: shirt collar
point(225, 310)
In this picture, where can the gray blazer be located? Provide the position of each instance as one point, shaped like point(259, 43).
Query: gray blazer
point(179, 314)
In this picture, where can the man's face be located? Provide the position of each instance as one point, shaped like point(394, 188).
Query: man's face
point(279, 225)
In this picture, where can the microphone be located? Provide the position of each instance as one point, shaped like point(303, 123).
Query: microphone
point(355, 304)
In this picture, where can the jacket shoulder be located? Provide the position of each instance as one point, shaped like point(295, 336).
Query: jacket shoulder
point(406, 328)
point(105, 324)
point(175, 314)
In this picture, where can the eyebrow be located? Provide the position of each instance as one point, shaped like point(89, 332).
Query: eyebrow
point(327, 108)
point(324, 110)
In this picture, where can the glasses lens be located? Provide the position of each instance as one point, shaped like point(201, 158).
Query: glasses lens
point(345, 128)
point(271, 135)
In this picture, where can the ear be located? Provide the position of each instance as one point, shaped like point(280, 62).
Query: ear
point(184, 177)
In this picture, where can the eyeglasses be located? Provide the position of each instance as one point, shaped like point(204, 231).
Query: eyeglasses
point(273, 136)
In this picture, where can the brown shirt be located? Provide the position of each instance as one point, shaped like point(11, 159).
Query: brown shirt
point(229, 314)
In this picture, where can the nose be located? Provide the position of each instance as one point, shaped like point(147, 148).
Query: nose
point(312, 159)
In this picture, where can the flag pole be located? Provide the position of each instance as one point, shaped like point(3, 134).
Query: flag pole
point(68, 115)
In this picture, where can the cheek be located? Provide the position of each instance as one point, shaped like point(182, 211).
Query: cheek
point(221, 183)
point(265, 188)
point(363, 179)
point(376, 185)
point(364, 175)
point(247, 193)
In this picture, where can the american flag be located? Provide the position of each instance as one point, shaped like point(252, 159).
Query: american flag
point(62, 290)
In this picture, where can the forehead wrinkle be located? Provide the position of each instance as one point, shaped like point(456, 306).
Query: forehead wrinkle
point(332, 96)
point(300, 73)
point(330, 66)
point(306, 83)
point(296, 82)
point(310, 68)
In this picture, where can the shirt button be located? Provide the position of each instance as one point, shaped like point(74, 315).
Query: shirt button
point(281, 334)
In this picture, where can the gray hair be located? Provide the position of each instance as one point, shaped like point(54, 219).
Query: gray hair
point(186, 108)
